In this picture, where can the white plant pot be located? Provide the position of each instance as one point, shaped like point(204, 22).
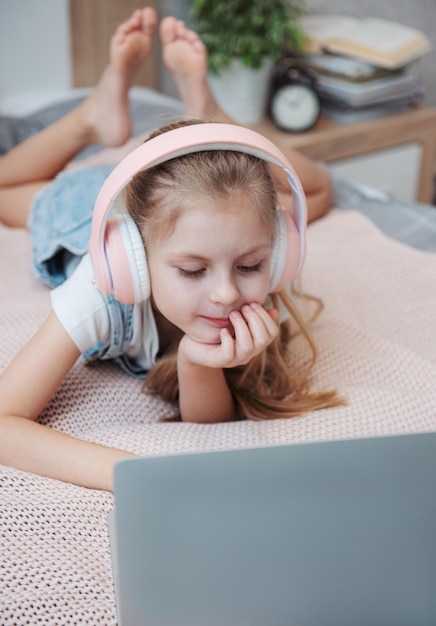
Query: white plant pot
point(242, 92)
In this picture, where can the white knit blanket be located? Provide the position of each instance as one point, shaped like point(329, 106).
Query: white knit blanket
point(377, 346)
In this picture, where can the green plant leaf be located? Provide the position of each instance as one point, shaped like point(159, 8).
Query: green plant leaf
point(250, 30)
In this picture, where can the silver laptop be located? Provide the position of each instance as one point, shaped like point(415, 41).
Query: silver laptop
point(339, 533)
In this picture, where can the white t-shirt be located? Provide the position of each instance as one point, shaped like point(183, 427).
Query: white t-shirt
point(102, 327)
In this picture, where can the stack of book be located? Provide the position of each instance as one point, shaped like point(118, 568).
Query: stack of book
point(364, 68)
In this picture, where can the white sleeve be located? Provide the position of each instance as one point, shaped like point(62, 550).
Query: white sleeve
point(81, 308)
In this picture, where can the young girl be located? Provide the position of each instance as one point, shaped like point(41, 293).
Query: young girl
point(208, 221)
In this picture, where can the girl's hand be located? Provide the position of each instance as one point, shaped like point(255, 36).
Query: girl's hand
point(254, 329)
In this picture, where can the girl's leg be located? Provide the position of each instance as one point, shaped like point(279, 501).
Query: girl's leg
point(185, 57)
point(104, 118)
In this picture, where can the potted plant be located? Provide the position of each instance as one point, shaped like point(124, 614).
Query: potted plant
point(244, 39)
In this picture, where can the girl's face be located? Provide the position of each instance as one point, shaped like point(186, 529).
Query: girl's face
point(216, 259)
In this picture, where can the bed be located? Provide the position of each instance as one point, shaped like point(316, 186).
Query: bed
point(376, 341)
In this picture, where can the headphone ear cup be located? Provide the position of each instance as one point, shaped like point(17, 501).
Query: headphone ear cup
point(126, 260)
point(286, 253)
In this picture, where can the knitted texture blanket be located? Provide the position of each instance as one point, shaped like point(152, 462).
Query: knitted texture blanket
point(376, 340)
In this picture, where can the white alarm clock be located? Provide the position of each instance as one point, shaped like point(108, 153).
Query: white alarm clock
point(294, 105)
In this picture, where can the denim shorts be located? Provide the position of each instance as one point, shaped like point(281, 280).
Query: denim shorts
point(60, 221)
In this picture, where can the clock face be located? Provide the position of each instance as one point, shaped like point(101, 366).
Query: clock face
point(295, 107)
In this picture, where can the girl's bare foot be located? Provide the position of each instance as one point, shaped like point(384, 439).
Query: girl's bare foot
point(185, 57)
point(106, 112)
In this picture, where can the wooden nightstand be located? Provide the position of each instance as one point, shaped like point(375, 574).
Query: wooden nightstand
point(396, 154)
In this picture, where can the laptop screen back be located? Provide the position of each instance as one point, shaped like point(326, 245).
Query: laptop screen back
point(338, 533)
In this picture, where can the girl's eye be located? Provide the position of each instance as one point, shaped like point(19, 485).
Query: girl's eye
point(245, 269)
point(250, 268)
point(190, 273)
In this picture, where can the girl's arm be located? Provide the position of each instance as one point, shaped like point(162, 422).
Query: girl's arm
point(204, 395)
point(26, 387)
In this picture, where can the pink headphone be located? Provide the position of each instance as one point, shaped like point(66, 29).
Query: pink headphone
point(116, 247)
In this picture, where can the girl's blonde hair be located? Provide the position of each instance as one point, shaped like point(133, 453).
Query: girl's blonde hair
point(269, 386)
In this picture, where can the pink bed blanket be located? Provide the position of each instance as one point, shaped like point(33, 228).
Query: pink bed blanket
point(377, 346)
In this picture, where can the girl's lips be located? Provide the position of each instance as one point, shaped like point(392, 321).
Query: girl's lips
point(219, 322)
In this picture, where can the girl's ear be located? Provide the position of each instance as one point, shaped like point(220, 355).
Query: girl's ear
point(126, 260)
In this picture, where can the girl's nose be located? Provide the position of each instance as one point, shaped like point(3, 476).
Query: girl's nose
point(225, 291)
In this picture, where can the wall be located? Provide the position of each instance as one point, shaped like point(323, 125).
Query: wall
point(34, 47)
point(180, 10)
point(35, 42)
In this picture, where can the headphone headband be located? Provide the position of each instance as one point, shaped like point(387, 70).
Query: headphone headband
point(179, 142)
